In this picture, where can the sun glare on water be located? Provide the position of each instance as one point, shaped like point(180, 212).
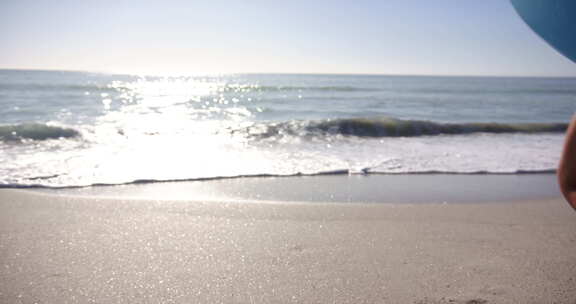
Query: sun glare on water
point(172, 126)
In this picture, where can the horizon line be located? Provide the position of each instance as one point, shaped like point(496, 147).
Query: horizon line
point(179, 74)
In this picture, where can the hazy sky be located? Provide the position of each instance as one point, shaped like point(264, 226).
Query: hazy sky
point(455, 37)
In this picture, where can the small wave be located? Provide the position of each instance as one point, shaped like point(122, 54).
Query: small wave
point(35, 131)
point(390, 127)
point(321, 173)
point(367, 171)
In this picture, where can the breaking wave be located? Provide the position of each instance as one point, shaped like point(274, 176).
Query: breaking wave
point(390, 127)
point(35, 131)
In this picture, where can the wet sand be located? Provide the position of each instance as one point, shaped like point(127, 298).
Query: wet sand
point(79, 249)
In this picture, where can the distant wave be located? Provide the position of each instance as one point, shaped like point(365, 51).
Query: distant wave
point(216, 178)
point(390, 127)
point(304, 88)
point(57, 87)
point(34, 131)
point(503, 90)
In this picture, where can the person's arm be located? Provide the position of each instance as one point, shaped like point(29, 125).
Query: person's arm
point(567, 168)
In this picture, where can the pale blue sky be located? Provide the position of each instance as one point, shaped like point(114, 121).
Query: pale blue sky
point(444, 37)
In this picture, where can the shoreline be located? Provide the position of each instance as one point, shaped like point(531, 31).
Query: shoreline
point(339, 188)
point(67, 248)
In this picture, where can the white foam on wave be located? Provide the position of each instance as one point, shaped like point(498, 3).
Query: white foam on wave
point(124, 159)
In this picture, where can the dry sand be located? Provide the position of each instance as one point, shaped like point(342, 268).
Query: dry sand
point(67, 249)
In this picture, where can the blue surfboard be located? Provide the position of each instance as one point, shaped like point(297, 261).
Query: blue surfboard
point(553, 20)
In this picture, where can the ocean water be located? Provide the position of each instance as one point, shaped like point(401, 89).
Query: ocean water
point(66, 129)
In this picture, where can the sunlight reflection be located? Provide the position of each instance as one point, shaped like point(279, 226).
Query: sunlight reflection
point(171, 126)
point(164, 91)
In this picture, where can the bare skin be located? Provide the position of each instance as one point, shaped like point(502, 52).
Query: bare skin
point(567, 168)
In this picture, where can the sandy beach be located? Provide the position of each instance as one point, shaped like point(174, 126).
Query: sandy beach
point(80, 249)
point(397, 152)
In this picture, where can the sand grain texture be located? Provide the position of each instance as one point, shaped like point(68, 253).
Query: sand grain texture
point(64, 249)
